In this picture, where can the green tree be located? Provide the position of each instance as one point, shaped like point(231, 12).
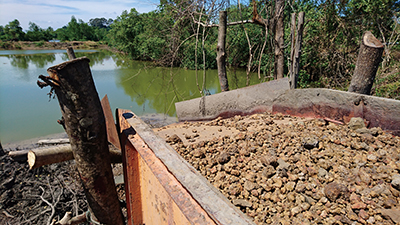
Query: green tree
point(333, 34)
point(101, 22)
point(125, 31)
point(49, 34)
point(100, 26)
point(61, 33)
point(2, 34)
point(76, 30)
point(13, 31)
point(35, 33)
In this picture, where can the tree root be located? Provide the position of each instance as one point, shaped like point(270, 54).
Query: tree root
point(69, 220)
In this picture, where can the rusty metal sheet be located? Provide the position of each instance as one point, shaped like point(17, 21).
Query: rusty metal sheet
point(149, 183)
point(219, 209)
point(112, 134)
point(130, 160)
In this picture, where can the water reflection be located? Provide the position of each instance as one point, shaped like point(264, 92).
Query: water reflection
point(135, 85)
point(23, 61)
point(42, 60)
point(160, 87)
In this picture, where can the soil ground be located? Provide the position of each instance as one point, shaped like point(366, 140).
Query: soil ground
point(41, 195)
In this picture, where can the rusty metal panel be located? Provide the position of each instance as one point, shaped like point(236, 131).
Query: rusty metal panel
point(112, 134)
point(154, 195)
point(184, 184)
point(130, 160)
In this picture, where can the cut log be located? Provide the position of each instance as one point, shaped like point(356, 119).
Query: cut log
point(81, 109)
point(19, 156)
point(56, 154)
point(369, 58)
point(46, 156)
point(22, 155)
point(53, 141)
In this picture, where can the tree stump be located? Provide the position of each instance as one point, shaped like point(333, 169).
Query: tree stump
point(369, 58)
point(71, 53)
point(86, 128)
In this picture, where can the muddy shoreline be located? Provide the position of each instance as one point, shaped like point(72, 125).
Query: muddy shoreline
point(154, 120)
point(40, 45)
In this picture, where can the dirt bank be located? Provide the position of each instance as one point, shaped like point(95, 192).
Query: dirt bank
point(27, 45)
point(43, 194)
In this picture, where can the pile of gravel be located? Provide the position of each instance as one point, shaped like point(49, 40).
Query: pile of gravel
point(302, 171)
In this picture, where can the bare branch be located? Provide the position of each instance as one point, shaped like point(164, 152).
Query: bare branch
point(69, 220)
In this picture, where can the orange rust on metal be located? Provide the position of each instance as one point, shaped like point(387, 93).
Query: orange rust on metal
point(112, 134)
point(130, 160)
point(164, 200)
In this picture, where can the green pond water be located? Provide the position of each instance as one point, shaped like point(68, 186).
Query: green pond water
point(26, 111)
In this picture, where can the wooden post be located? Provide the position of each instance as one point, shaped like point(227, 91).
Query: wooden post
point(85, 125)
point(71, 53)
point(369, 58)
point(221, 54)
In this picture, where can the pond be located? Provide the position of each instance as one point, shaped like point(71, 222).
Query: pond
point(26, 111)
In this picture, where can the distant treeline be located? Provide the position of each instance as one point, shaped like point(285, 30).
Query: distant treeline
point(76, 30)
point(177, 34)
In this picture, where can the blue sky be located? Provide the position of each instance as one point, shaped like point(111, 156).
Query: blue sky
point(57, 13)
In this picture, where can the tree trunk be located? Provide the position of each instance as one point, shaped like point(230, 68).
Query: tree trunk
point(295, 58)
point(279, 39)
point(221, 55)
point(19, 156)
point(368, 61)
point(292, 80)
point(86, 129)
